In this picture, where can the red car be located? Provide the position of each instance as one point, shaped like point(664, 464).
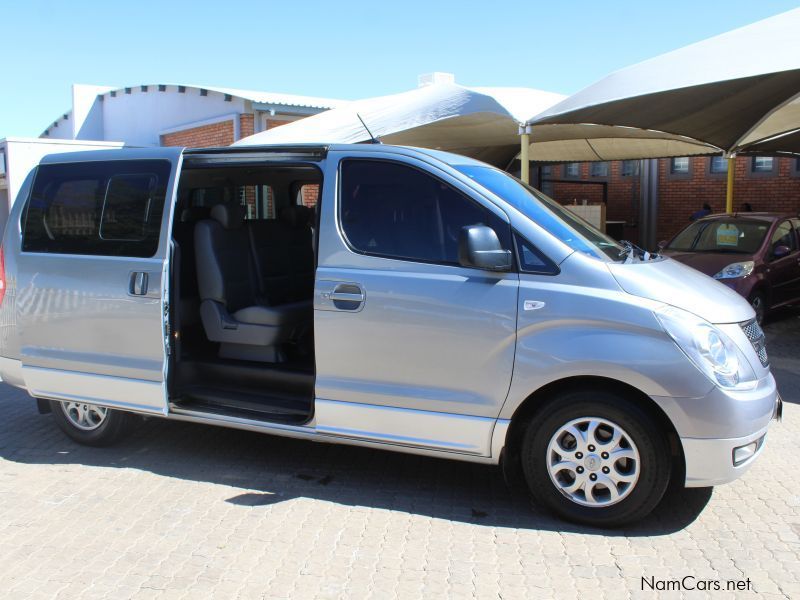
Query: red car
point(756, 254)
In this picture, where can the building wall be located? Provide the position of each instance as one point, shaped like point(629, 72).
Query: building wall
point(213, 134)
point(681, 195)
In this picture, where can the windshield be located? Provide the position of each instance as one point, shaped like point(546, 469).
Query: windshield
point(545, 212)
point(740, 236)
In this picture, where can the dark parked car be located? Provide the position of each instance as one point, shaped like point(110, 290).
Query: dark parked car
point(755, 254)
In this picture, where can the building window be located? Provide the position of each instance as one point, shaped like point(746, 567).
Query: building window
point(547, 170)
point(572, 170)
point(630, 168)
point(599, 169)
point(679, 166)
point(719, 164)
point(762, 164)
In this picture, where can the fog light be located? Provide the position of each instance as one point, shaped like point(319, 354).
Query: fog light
point(744, 453)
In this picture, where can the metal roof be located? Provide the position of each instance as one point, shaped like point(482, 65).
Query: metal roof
point(268, 99)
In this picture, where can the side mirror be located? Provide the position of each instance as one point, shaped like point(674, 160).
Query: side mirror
point(780, 251)
point(662, 244)
point(479, 247)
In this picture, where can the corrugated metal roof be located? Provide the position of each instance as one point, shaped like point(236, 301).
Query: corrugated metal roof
point(274, 98)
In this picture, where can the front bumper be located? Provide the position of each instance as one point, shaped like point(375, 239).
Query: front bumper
point(712, 462)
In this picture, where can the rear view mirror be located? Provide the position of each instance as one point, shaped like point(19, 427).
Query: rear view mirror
point(480, 248)
point(780, 251)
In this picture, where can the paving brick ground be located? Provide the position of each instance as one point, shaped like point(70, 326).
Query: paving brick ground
point(185, 511)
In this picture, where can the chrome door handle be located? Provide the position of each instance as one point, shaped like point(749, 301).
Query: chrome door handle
point(340, 295)
point(138, 283)
point(347, 296)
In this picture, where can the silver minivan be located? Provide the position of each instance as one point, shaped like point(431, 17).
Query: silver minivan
point(389, 297)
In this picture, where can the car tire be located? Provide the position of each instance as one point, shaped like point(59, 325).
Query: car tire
point(569, 475)
point(92, 425)
point(758, 300)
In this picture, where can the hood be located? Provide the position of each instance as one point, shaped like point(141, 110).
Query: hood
point(709, 263)
point(673, 283)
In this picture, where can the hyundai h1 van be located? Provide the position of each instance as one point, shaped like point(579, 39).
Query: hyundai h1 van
point(389, 297)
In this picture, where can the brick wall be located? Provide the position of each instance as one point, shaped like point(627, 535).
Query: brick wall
point(681, 195)
point(246, 125)
point(215, 134)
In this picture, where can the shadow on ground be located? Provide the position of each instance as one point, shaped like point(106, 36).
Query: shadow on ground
point(264, 470)
point(269, 470)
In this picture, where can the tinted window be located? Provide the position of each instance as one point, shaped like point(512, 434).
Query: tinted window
point(396, 211)
point(99, 208)
point(531, 260)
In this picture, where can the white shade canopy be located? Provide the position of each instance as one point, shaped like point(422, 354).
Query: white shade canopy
point(477, 122)
point(724, 94)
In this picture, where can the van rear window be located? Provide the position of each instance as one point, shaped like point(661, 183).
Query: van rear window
point(98, 208)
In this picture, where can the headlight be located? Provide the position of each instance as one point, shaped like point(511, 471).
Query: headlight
point(734, 270)
point(709, 348)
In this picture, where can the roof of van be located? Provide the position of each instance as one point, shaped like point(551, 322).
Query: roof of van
point(172, 153)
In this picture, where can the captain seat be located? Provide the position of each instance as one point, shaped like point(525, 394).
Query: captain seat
point(231, 309)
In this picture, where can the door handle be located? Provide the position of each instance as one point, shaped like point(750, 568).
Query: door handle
point(138, 283)
point(347, 296)
point(341, 295)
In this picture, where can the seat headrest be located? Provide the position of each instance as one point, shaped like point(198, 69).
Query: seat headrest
point(297, 215)
point(230, 216)
point(194, 213)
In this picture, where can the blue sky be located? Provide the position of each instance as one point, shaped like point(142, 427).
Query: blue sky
point(345, 49)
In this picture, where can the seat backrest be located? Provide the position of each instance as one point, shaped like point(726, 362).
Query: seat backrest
point(225, 269)
point(284, 255)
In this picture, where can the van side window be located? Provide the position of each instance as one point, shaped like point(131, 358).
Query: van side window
point(396, 211)
point(531, 259)
point(97, 208)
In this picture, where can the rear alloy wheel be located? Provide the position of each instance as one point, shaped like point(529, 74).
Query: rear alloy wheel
point(90, 424)
point(759, 303)
point(596, 458)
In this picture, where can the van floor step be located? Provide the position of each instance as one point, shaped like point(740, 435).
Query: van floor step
point(282, 408)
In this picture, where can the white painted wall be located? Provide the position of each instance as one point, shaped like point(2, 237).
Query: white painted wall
point(87, 111)
point(138, 117)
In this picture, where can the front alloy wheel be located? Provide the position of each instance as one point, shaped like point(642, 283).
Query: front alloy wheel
point(596, 457)
point(593, 461)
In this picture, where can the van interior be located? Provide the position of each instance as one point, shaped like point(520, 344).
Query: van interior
point(242, 289)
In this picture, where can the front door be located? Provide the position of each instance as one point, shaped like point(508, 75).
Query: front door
point(411, 348)
point(784, 271)
point(91, 289)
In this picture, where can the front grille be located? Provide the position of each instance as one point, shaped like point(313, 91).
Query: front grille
point(757, 338)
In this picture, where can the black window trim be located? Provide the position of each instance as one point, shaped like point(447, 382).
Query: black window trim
point(354, 250)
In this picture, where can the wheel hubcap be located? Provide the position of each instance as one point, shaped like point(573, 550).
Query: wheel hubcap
point(593, 462)
point(84, 416)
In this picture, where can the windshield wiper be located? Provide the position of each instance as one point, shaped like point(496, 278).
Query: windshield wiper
point(633, 253)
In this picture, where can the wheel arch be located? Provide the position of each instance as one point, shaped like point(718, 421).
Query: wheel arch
point(528, 408)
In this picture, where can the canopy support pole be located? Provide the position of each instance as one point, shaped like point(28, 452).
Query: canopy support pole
point(729, 190)
point(524, 153)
